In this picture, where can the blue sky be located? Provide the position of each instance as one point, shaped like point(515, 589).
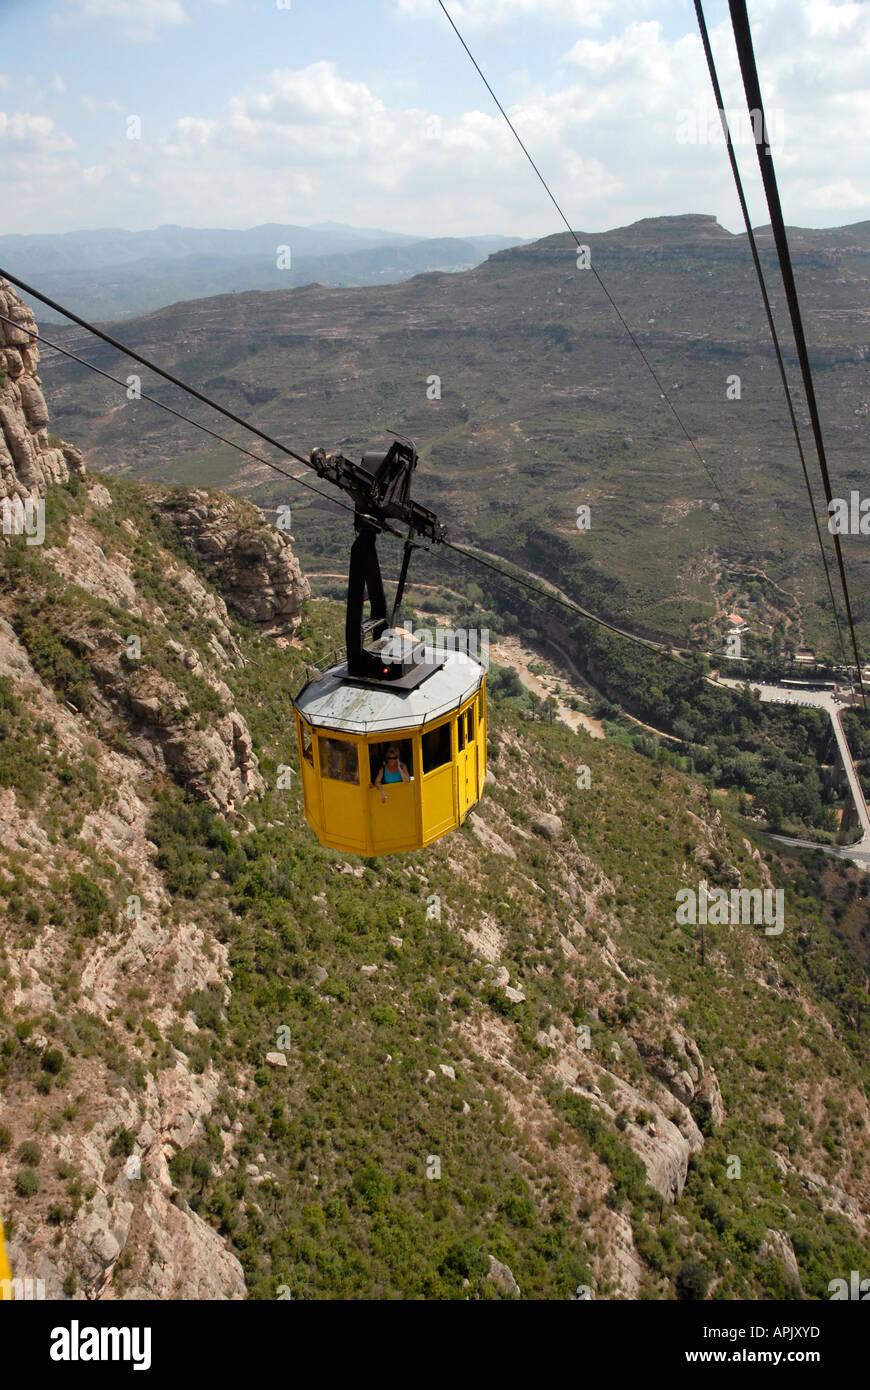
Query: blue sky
point(369, 112)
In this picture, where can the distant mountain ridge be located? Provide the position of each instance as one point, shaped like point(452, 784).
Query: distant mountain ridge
point(542, 405)
point(110, 273)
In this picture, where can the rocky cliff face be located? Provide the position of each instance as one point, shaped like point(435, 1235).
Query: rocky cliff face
point(254, 564)
point(104, 1177)
point(250, 563)
point(29, 459)
point(148, 702)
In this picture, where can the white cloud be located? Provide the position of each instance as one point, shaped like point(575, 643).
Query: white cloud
point(487, 15)
point(843, 194)
point(826, 20)
point(22, 130)
point(310, 144)
point(139, 20)
point(191, 131)
point(37, 161)
point(92, 104)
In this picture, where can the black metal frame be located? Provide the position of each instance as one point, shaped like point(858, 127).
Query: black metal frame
point(381, 490)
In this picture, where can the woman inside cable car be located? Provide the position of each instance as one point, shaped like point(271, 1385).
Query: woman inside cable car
point(390, 768)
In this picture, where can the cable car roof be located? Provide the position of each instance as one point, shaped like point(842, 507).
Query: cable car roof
point(333, 702)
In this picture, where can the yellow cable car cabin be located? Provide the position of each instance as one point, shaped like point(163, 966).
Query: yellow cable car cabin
point(359, 800)
point(392, 742)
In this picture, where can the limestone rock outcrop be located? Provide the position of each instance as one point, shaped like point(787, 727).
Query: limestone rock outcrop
point(119, 1228)
point(128, 1237)
point(682, 1069)
point(218, 762)
point(549, 827)
point(502, 1275)
point(29, 458)
point(255, 566)
point(777, 1245)
point(663, 1144)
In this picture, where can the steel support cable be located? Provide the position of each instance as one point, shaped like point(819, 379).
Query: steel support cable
point(40, 337)
point(720, 105)
point(752, 88)
point(142, 395)
point(152, 366)
point(613, 304)
point(657, 648)
point(83, 323)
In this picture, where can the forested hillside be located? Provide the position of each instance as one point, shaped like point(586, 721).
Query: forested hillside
point(407, 1037)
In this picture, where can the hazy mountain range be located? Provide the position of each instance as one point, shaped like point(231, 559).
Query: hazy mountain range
point(528, 400)
point(110, 273)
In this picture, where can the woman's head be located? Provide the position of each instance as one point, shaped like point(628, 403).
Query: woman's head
point(392, 753)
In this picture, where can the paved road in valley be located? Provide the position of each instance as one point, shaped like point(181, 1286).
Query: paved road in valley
point(858, 853)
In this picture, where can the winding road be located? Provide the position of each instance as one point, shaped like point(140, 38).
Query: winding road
point(859, 853)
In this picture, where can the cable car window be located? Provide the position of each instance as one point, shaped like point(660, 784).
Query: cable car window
point(460, 729)
point(338, 760)
point(469, 723)
point(307, 747)
point(395, 759)
point(436, 747)
point(480, 707)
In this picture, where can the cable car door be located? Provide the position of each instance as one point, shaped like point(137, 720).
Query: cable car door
point(466, 763)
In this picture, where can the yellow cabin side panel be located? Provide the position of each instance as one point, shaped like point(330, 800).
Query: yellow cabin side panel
point(481, 739)
point(344, 821)
point(471, 754)
point(5, 1271)
point(394, 823)
point(344, 816)
point(466, 758)
point(311, 797)
point(308, 776)
point(439, 804)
